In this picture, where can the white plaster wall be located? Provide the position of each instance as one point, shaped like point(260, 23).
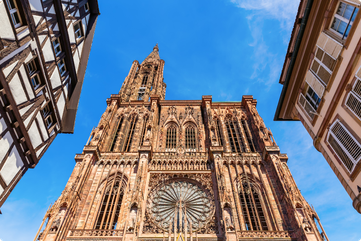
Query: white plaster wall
point(35, 5)
point(23, 33)
point(17, 90)
point(25, 109)
point(34, 135)
point(87, 19)
point(37, 20)
point(28, 87)
point(85, 25)
point(6, 32)
point(5, 143)
point(40, 150)
point(56, 27)
point(66, 88)
point(52, 10)
point(80, 47)
point(1, 190)
point(44, 131)
point(76, 61)
point(48, 51)
point(11, 167)
point(3, 125)
point(55, 79)
point(71, 34)
point(8, 69)
point(61, 105)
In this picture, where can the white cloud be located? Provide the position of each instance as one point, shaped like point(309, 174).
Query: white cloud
point(283, 10)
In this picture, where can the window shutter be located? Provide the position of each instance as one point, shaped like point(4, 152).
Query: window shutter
point(315, 84)
point(353, 101)
point(332, 47)
point(345, 145)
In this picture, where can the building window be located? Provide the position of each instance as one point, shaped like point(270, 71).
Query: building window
point(144, 130)
point(111, 203)
point(57, 46)
point(346, 147)
point(33, 74)
point(171, 141)
point(323, 65)
point(117, 134)
point(14, 13)
point(48, 115)
point(235, 136)
point(129, 139)
point(353, 101)
point(252, 210)
point(78, 30)
point(145, 80)
point(343, 19)
point(219, 135)
point(310, 102)
point(190, 138)
point(86, 7)
point(141, 93)
point(62, 68)
point(248, 135)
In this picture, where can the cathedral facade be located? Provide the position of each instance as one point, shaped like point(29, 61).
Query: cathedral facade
point(156, 169)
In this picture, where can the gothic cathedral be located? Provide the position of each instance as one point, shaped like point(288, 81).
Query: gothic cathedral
point(169, 170)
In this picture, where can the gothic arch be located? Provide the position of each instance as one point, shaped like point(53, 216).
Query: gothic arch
point(171, 140)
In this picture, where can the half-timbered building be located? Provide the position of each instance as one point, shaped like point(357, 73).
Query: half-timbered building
point(156, 169)
point(44, 50)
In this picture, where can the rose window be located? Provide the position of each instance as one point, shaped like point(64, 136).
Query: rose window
point(180, 204)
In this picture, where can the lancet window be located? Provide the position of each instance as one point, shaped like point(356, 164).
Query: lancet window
point(248, 135)
point(144, 130)
point(235, 136)
point(190, 137)
point(129, 138)
point(252, 210)
point(171, 141)
point(112, 198)
point(117, 134)
point(219, 135)
point(145, 80)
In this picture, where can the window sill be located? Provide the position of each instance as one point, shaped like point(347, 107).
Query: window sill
point(39, 89)
point(20, 29)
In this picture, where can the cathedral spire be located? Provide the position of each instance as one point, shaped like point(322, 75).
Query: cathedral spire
point(154, 55)
point(145, 79)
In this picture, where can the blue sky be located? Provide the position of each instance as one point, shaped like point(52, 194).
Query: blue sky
point(223, 48)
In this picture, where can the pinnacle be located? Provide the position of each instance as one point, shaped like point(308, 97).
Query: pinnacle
point(154, 55)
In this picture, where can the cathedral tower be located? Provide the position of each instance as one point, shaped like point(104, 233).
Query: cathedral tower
point(157, 169)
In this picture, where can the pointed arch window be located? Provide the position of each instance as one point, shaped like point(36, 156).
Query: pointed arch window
point(145, 80)
point(117, 134)
point(190, 137)
point(144, 130)
point(248, 135)
point(129, 138)
point(171, 141)
point(252, 210)
point(235, 136)
point(219, 129)
point(111, 202)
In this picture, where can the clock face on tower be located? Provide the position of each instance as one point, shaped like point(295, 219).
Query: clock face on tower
point(180, 203)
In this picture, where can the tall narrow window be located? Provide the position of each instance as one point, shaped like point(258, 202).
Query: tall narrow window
point(248, 135)
point(219, 135)
point(57, 46)
point(14, 13)
point(62, 68)
point(145, 80)
point(117, 134)
point(34, 74)
point(235, 139)
point(343, 19)
point(171, 141)
point(346, 146)
point(323, 65)
point(129, 139)
point(252, 208)
point(78, 30)
point(111, 203)
point(190, 138)
point(143, 131)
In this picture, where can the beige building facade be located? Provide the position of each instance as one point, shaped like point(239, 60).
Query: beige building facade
point(157, 169)
point(44, 50)
point(321, 80)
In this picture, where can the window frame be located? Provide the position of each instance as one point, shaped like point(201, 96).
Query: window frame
point(80, 24)
point(13, 11)
point(61, 66)
point(33, 73)
point(356, 95)
point(55, 46)
point(321, 64)
point(348, 22)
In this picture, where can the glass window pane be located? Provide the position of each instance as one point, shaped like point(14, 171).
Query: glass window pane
point(11, 4)
point(335, 24)
point(16, 18)
point(354, 15)
point(329, 62)
point(348, 12)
